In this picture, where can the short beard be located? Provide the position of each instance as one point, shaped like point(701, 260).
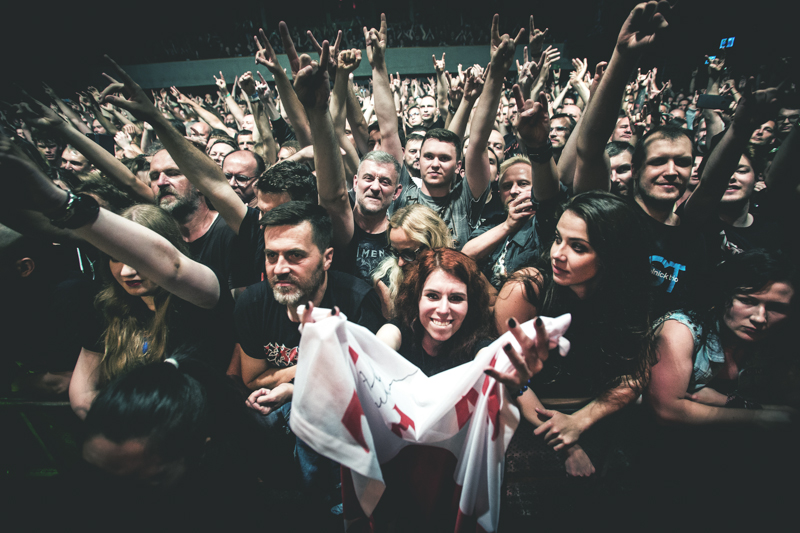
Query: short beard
point(184, 206)
point(302, 293)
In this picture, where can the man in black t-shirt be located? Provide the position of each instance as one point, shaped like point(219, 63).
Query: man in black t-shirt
point(662, 164)
point(376, 186)
point(297, 247)
point(298, 251)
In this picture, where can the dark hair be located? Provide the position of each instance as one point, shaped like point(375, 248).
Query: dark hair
point(175, 408)
point(261, 167)
point(295, 213)
point(615, 148)
point(291, 177)
point(136, 164)
point(744, 273)
point(445, 136)
point(672, 133)
point(373, 126)
point(178, 125)
point(477, 324)
point(570, 120)
point(616, 316)
point(114, 198)
point(242, 132)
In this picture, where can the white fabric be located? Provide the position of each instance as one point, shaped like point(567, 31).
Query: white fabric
point(351, 392)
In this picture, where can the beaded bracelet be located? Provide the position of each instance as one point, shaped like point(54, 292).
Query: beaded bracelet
point(524, 388)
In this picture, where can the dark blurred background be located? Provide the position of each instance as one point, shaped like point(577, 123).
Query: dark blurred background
point(64, 44)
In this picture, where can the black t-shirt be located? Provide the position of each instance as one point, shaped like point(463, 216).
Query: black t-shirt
point(679, 262)
point(767, 231)
point(430, 365)
point(205, 334)
point(215, 249)
point(362, 255)
point(264, 328)
point(247, 265)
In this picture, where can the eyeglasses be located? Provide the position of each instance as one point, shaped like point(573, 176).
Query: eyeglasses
point(409, 256)
point(241, 178)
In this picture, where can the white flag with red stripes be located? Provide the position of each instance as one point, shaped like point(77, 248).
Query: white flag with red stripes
point(359, 403)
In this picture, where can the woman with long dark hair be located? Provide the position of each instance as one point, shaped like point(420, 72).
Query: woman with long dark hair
point(597, 270)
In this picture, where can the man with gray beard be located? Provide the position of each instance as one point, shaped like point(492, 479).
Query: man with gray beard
point(209, 238)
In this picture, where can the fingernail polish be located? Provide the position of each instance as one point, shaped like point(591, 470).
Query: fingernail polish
point(539, 321)
point(512, 323)
point(507, 347)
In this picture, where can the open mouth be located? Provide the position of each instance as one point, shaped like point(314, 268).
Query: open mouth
point(440, 323)
point(134, 284)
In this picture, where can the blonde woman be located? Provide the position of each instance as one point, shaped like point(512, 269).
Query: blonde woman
point(412, 230)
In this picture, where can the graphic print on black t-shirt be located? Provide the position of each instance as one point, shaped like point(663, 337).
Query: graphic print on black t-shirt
point(279, 355)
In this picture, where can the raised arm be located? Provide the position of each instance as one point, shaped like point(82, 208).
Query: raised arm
point(67, 110)
point(714, 124)
point(97, 155)
point(233, 107)
point(294, 109)
point(442, 85)
point(473, 88)
point(637, 34)
point(204, 114)
point(752, 110)
point(477, 160)
point(126, 241)
point(346, 63)
point(198, 168)
point(312, 86)
point(533, 130)
point(382, 91)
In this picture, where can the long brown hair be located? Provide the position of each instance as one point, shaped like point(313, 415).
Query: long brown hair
point(478, 322)
point(134, 335)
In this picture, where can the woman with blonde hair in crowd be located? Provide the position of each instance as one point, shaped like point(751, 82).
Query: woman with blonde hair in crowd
point(412, 230)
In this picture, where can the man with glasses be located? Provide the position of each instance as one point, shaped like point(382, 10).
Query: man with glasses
point(241, 169)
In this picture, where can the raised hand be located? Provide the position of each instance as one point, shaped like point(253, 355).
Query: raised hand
point(39, 115)
point(580, 68)
point(715, 67)
point(532, 121)
point(334, 52)
point(643, 24)
point(265, 54)
point(376, 43)
point(349, 60)
point(223, 87)
point(529, 362)
point(312, 83)
point(123, 139)
point(288, 47)
point(438, 64)
point(502, 46)
point(599, 70)
point(473, 86)
point(247, 83)
point(262, 87)
point(536, 39)
point(179, 96)
point(137, 102)
point(755, 108)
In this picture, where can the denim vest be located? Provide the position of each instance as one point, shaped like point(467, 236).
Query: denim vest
point(708, 360)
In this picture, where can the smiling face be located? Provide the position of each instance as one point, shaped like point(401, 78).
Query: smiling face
point(764, 135)
point(742, 183)
point(295, 266)
point(574, 261)
point(443, 306)
point(752, 316)
point(376, 187)
point(665, 171)
point(437, 164)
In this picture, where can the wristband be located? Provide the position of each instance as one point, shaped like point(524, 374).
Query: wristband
point(542, 154)
point(254, 98)
point(77, 211)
